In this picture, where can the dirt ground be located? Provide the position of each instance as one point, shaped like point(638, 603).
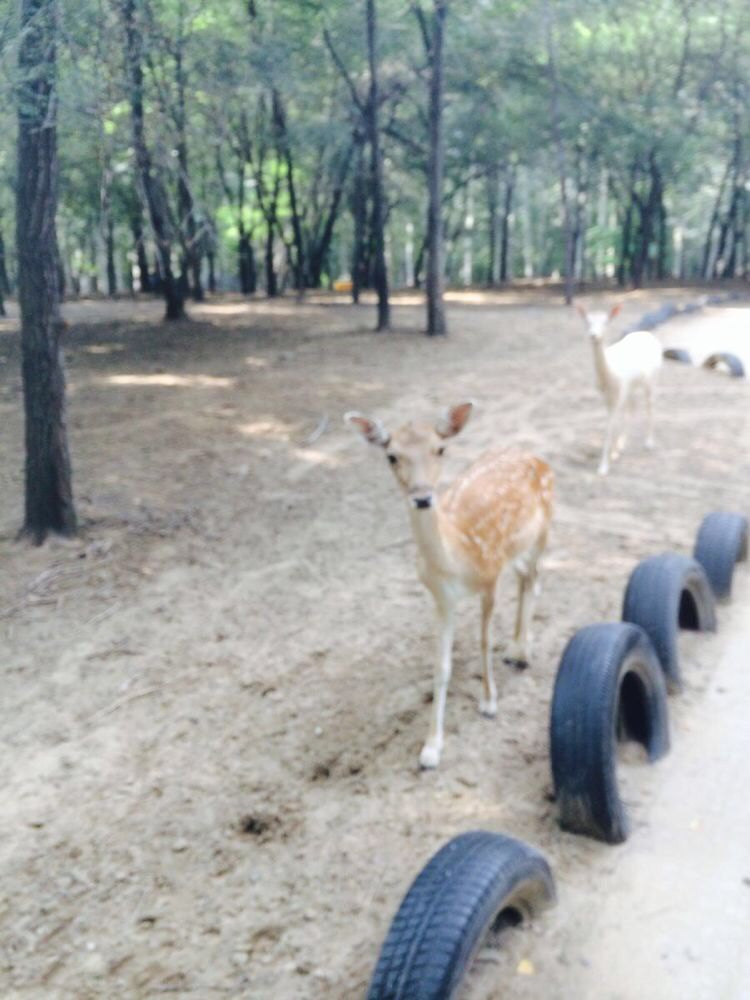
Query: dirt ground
point(214, 698)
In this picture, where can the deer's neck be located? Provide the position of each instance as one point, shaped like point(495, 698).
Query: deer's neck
point(603, 375)
point(429, 530)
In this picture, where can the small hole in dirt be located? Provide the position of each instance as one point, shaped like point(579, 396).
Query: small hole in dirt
point(256, 826)
point(321, 771)
point(509, 917)
point(427, 698)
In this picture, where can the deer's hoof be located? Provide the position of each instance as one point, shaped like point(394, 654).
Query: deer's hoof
point(488, 707)
point(603, 470)
point(429, 757)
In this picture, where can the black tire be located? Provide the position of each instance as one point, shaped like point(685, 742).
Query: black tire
point(609, 685)
point(666, 593)
point(720, 543)
point(733, 363)
point(678, 354)
point(474, 882)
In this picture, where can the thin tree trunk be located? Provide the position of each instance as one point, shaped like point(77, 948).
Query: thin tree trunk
point(191, 264)
point(568, 243)
point(492, 188)
point(285, 150)
point(111, 270)
point(376, 168)
point(321, 246)
point(136, 227)
point(151, 189)
point(707, 263)
point(505, 228)
point(359, 213)
point(435, 284)
point(4, 287)
point(49, 494)
point(211, 271)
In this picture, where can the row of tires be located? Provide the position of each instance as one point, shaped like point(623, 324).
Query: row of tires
point(611, 685)
point(721, 359)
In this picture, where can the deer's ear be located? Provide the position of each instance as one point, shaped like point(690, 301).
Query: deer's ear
point(615, 310)
point(370, 428)
point(454, 419)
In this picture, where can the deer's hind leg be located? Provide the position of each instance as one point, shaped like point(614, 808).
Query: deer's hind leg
point(526, 567)
point(488, 702)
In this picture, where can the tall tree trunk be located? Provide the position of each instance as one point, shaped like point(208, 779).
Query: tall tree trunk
point(510, 180)
point(211, 270)
point(359, 213)
point(4, 286)
point(152, 191)
point(436, 325)
point(49, 493)
point(568, 237)
point(191, 264)
point(320, 246)
point(136, 227)
point(376, 168)
point(492, 189)
point(111, 270)
point(285, 151)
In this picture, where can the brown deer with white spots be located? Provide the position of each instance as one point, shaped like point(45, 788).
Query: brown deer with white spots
point(497, 513)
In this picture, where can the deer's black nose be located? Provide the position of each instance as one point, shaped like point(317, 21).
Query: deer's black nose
point(422, 503)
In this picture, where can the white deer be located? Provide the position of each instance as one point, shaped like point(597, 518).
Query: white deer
point(620, 368)
point(497, 512)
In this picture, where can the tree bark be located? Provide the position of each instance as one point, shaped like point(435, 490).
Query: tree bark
point(376, 170)
point(49, 494)
point(435, 283)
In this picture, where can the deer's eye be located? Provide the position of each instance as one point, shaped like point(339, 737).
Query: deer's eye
point(393, 459)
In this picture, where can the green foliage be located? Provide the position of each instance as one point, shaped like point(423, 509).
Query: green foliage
point(642, 89)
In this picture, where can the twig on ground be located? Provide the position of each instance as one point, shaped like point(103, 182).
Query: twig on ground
point(318, 432)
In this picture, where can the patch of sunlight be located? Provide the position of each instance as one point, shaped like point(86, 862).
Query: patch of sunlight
point(252, 362)
point(271, 428)
point(224, 308)
point(313, 457)
point(181, 381)
point(102, 348)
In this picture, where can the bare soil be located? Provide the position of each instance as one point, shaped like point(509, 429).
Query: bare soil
point(214, 698)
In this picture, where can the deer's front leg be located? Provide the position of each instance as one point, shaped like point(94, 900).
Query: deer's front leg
point(430, 755)
point(615, 412)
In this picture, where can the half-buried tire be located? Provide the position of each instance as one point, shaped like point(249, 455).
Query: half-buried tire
point(678, 354)
point(609, 688)
point(477, 882)
point(720, 543)
point(732, 362)
point(664, 594)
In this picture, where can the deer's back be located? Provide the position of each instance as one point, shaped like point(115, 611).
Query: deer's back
point(500, 505)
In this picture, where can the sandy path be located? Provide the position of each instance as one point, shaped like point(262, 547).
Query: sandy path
point(667, 914)
point(679, 926)
point(213, 700)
